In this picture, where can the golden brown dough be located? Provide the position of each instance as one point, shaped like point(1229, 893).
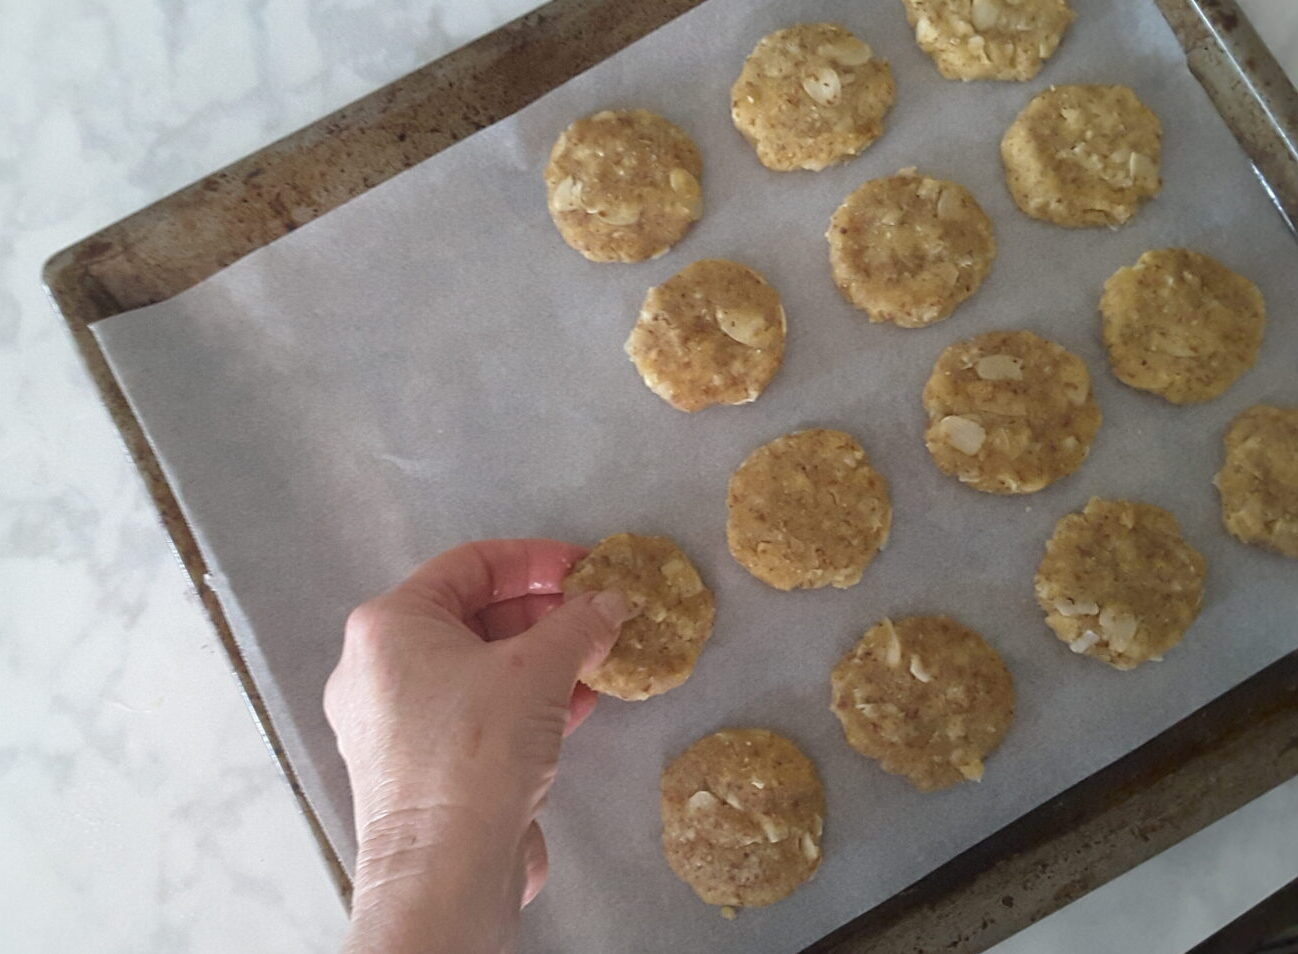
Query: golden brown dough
point(623, 185)
point(810, 96)
point(1009, 412)
point(743, 813)
point(925, 696)
point(1259, 480)
point(989, 39)
point(1181, 325)
point(1083, 156)
point(672, 613)
point(711, 334)
point(908, 249)
point(1119, 583)
point(807, 510)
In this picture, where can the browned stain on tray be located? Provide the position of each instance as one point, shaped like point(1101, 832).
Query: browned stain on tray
point(1229, 752)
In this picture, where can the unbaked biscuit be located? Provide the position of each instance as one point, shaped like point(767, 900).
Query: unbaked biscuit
point(989, 39)
point(743, 813)
point(926, 697)
point(1083, 155)
point(807, 510)
point(1181, 324)
point(810, 96)
point(712, 334)
point(1009, 412)
point(672, 613)
point(1259, 480)
point(1119, 582)
point(908, 249)
point(623, 186)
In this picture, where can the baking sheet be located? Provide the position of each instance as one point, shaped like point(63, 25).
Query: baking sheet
point(430, 363)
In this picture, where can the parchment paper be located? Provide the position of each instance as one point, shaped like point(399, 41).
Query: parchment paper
point(430, 363)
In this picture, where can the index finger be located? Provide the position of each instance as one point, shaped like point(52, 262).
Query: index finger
point(475, 575)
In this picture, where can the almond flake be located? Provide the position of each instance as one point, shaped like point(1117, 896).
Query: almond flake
point(965, 435)
point(1066, 607)
point(809, 847)
point(918, 671)
point(999, 367)
point(985, 14)
point(848, 51)
point(1084, 642)
point(823, 86)
point(567, 196)
point(701, 800)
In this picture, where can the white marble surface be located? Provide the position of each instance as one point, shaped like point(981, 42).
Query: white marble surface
point(139, 810)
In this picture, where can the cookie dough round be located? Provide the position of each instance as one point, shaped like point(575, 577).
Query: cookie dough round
point(807, 510)
point(711, 334)
point(908, 249)
point(1119, 582)
point(1259, 481)
point(743, 812)
point(673, 612)
point(1181, 324)
point(623, 185)
point(926, 697)
point(1083, 155)
point(1009, 412)
point(989, 39)
point(810, 96)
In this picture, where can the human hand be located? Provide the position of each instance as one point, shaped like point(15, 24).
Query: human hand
point(452, 697)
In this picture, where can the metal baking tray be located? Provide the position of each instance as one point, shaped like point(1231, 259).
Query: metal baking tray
point(1227, 753)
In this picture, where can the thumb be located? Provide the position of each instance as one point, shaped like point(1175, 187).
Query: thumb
point(575, 638)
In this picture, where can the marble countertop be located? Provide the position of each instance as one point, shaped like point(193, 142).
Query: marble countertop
point(139, 809)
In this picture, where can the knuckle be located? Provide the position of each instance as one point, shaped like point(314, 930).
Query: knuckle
point(366, 621)
point(331, 696)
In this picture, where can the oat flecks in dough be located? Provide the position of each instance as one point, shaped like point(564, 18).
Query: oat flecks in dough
point(712, 334)
point(743, 817)
point(1083, 155)
point(989, 39)
point(810, 96)
point(1119, 583)
point(672, 612)
point(1009, 412)
point(908, 249)
point(1181, 324)
point(623, 186)
point(807, 510)
point(1258, 482)
point(925, 696)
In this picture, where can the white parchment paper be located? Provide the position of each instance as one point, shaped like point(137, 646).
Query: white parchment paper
point(430, 363)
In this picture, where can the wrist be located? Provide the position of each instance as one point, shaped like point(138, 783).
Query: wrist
point(435, 880)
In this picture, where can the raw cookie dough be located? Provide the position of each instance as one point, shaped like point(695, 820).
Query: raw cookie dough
point(1119, 582)
point(926, 697)
point(743, 811)
point(908, 249)
point(1009, 412)
point(989, 39)
point(1083, 155)
point(623, 186)
point(1181, 324)
point(657, 647)
point(811, 96)
point(807, 510)
point(1259, 481)
point(712, 334)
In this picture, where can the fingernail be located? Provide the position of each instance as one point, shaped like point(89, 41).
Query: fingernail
point(611, 605)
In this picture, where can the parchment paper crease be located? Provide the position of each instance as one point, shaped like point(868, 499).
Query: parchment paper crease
point(430, 363)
